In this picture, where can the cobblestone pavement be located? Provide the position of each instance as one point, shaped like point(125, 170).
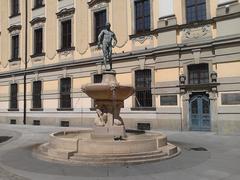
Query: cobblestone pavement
point(205, 156)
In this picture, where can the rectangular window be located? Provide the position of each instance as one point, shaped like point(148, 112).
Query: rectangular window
point(38, 3)
point(170, 100)
point(66, 34)
point(13, 121)
point(15, 47)
point(195, 10)
point(143, 88)
point(15, 7)
point(100, 22)
point(230, 99)
point(198, 74)
point(36, 95)
point(142, 16)
point(38, 41)
point(97, 78)
point(13, 96)
point(65, 93)
point(64, 124)
point(36, 122)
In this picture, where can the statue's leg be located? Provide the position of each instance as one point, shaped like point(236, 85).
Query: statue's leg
point(110, 56)
point(105, 54)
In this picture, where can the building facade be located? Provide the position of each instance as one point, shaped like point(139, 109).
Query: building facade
point(181, 56)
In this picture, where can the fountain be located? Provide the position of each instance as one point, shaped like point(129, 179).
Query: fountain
point(108, 142)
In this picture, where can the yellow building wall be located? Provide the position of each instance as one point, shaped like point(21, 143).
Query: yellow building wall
point(51, 26)
point(4, 89)
point(50, 104)
point(120, 16)
point(81, 24)
point(5, 40)
point(163, 75)
point(21, 88)
point(124, 79)
point(78, 82)
point(50, 85)
point(228, 69)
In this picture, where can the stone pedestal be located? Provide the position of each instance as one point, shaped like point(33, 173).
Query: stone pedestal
point(109, 98)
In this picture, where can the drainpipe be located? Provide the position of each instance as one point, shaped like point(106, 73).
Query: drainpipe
point(25, 63)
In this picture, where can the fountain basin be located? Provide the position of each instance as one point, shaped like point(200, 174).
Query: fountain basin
point(105, 91)
point(79, 147)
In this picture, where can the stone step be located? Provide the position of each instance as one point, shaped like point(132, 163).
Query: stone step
point(117, 158)
point(119, 155)
point(118, 161)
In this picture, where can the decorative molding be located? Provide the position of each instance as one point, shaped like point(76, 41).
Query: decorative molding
point(36, 76)
point(38, 20)
point(196, 33)
point(66, 54)
point(66, 50)
point(65, 12)
point(92, 3)
point(142, 39)
point(196, 55)
point(142, 61)
point(64, 72)
point(14, 28)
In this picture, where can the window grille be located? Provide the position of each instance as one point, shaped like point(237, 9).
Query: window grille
point(65, 93)
point(198, 74)
point(143, 81)
point(13, 96)
point(36, 96)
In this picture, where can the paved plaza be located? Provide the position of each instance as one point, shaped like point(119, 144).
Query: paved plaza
point(205, 156)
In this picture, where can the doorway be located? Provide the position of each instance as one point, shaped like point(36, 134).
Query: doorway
point(200, 119)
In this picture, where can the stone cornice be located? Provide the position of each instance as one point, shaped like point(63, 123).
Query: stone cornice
point(38, 20)
point(65, 12)
point(226, 17)
point(14, 28)
point(91, 3)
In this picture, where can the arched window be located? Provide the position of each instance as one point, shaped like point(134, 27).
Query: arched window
point(195, 10)
point(143, 79)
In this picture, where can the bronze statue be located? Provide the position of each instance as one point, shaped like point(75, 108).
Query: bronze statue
point(108, 40)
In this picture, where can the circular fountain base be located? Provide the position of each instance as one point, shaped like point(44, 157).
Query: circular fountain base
point(80, 147)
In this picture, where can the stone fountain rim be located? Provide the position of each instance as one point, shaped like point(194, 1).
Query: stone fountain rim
point(153, 135)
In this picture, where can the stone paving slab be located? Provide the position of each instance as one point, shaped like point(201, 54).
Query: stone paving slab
point(221, 161)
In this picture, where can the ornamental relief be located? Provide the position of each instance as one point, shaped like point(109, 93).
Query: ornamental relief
point(196, 33)
point(95, 3)
point(142, 39)
point(99, 6)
